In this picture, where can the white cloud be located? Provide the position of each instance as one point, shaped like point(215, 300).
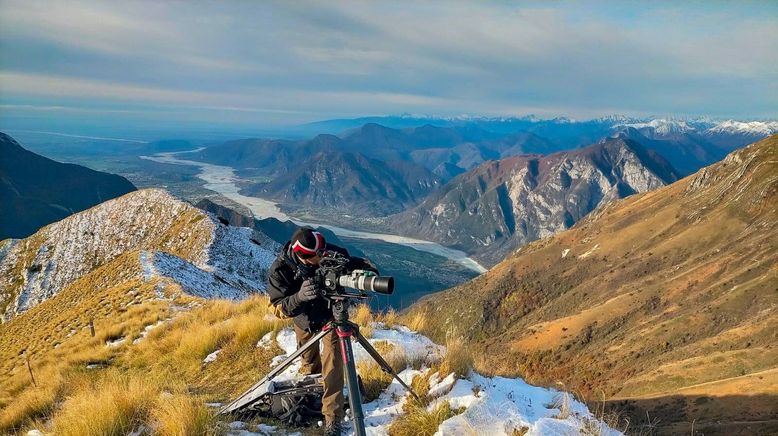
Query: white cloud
point(318, 58)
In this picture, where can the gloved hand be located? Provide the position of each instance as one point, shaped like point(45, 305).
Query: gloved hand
point(307, 291)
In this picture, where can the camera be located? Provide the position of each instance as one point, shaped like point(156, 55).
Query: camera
point(334, 274)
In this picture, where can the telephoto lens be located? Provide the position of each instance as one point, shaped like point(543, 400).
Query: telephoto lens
point(367, 281)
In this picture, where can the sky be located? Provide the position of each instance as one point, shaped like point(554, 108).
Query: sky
point(105, 64)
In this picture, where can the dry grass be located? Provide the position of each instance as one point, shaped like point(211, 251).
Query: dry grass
point(458, 358)
point(148, 383)
point(115, 403)
point(31, 404)
point(562, 403)
point(374, 379)
point(390, 318)
point(182, 415)
point(417, 321)
point(418, 421)
point(363, 317)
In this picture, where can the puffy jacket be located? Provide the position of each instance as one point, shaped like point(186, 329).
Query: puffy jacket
point(285, 281)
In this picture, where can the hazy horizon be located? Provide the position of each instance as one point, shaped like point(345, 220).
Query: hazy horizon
point(93, 66)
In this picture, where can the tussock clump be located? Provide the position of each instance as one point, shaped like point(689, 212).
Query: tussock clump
point(418, 421)
point(417, 322)
point(182, 415)
point(458, 358)
point(389, 318)
point(363, 317)
point(115, 403)
point(29, 405)
point(374, 379)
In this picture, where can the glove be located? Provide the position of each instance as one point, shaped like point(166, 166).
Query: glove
point(307, 291)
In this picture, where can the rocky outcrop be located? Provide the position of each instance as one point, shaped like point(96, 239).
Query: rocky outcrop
point(504, 204)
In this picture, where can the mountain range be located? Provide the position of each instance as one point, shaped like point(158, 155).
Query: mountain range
point(36, 191)
point(501, 205)
point(373, 170)
point(662, 305)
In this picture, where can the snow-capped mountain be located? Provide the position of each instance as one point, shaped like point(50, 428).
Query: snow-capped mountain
point(753, 128)
point(661, 126)
point(164, 236)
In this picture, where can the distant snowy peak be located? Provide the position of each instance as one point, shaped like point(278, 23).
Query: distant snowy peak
point(704, 126)
point(753, 128)
point(662, 126)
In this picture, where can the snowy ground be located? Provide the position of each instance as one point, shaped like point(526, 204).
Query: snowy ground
point(493, 405)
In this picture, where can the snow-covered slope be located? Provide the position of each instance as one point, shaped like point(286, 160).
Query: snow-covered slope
point(176, 240)
point(753, 128)
point(492, 405)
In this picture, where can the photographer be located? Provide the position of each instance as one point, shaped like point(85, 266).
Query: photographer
point(294, 293)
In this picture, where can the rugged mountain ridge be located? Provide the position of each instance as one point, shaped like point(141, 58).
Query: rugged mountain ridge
point(35, 191)
point(351, 181)
point(502, 205)
point(168, 237)
point(663, 302)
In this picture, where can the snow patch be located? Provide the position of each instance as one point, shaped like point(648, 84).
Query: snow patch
point(115, 342)
point(493, 405)
point(212, 357)
point(589, 253)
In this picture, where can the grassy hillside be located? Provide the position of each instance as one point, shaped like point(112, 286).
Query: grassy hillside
point(663, 302)
point(144, 366)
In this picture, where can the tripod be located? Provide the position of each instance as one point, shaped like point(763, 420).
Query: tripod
point(345, 330)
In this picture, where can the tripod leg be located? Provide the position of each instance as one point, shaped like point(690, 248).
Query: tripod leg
point(382, 362)
point(349, 367)
point(245, 397)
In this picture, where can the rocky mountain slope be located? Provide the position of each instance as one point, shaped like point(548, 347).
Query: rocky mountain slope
point(35, 191)
point(162, 236)
point(350, 181)
point(664, 302)
point(501, 205)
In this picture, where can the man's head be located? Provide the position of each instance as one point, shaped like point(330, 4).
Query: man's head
point(308, 245)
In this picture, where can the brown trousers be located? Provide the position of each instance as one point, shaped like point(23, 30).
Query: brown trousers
point(329, 364)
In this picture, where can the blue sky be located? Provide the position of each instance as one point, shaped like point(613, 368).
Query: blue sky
point(269, 64)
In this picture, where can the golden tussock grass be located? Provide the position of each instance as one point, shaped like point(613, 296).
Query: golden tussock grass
point(458, 358)
point(374, 379)
point(389, 317)
point(362, 316)
point(114, 403)
point(418, 421)
point(182, 415)
point(417, 321)
point(148, 383)
point(31, 404)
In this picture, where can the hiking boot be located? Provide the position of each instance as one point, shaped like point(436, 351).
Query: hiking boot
point(333, 428)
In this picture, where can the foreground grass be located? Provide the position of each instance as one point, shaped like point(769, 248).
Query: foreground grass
point(160, 383)
point(154, 378)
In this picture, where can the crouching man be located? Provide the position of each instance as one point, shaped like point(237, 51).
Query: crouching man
point(293, 293)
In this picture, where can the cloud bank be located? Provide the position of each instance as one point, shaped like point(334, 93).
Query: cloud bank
point(276, 63)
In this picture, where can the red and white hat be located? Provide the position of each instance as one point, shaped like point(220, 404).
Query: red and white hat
point(307, 242)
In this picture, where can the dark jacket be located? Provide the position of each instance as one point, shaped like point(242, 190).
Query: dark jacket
point(285, 281)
